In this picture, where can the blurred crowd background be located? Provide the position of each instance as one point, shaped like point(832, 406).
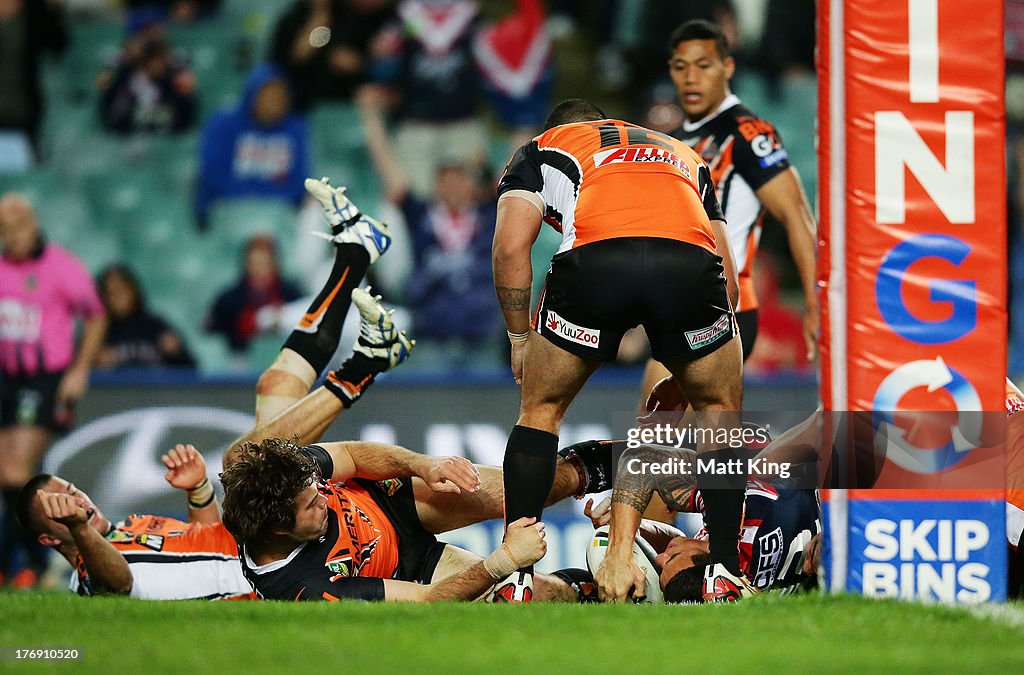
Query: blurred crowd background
point(165, 143)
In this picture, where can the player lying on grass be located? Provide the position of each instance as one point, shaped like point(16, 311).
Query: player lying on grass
point(779, 536)
point(153, 557)
point(357, 521)
point(145, 556)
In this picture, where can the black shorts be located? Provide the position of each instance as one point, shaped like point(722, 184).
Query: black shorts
point(32, 401)
point(418, 550)
point(595, 293)
point(747, 322)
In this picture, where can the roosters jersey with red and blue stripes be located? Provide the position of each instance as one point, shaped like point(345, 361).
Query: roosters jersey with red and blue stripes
point(778, 523)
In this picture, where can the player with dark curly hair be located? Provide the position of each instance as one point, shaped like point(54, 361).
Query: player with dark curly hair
point(358, 520)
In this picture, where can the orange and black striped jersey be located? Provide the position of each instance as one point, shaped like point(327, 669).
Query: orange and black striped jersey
point(608, 179)
point(743, 152)
point(173, 560)
point(351, 561)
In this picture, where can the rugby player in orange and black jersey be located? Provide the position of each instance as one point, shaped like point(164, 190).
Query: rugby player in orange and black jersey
point(350, 538)
point(358, 549)
point(148, 557)
point(748, 163)
point(743, 153)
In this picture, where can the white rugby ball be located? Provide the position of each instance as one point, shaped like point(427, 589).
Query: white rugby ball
point(643, 554)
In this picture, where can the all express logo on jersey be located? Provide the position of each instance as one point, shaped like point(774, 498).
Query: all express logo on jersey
point(641, 154)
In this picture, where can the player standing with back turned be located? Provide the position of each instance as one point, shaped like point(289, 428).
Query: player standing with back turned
point(643, 242)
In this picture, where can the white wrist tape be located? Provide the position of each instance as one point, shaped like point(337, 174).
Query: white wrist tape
point(517, 338)
point(500, 563)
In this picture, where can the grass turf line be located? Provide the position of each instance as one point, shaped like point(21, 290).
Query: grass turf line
point(826, 634)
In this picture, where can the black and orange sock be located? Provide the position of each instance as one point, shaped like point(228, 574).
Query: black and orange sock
point(316, 336)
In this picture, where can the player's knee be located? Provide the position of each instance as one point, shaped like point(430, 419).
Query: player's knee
point(546, 417)
point(713, 404)
point(276, 382)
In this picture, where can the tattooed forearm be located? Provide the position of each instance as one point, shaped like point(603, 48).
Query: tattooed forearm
point(513, 299)
point(649, 468)
point(637, 499)
point(634, 485)
point(677, 493)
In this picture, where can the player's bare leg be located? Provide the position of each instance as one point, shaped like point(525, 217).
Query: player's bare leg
point(380, 347)
point(551, 379)
point(713, 385)
point(286, 381)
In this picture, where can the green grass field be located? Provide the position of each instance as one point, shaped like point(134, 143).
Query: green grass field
point(813, 633)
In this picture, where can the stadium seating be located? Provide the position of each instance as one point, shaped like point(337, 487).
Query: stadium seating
point(129, 199)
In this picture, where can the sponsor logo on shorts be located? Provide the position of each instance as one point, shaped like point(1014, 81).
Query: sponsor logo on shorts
point(705, 336)
point(620, 155)
point(588, 337)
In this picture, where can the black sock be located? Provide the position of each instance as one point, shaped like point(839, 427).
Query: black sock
point(316, 336)
point(529, 472)
point(723, 506)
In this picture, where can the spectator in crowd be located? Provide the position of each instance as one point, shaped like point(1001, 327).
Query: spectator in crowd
point(259, 148)
point(136, 338)
point(639, 32)
point(28, 28)
point(429, 61)
point(147, 90)
point(142, 12)
point(787, 44)
point(449, 290)
point(43, 290)
point(235, 311)
point(514, 55)
point(324, 45)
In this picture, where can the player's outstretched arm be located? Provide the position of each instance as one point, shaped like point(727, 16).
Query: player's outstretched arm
point(378, 461)
point(186, 470)
point(524, 545)
point(107, 568)
point(803, 445)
